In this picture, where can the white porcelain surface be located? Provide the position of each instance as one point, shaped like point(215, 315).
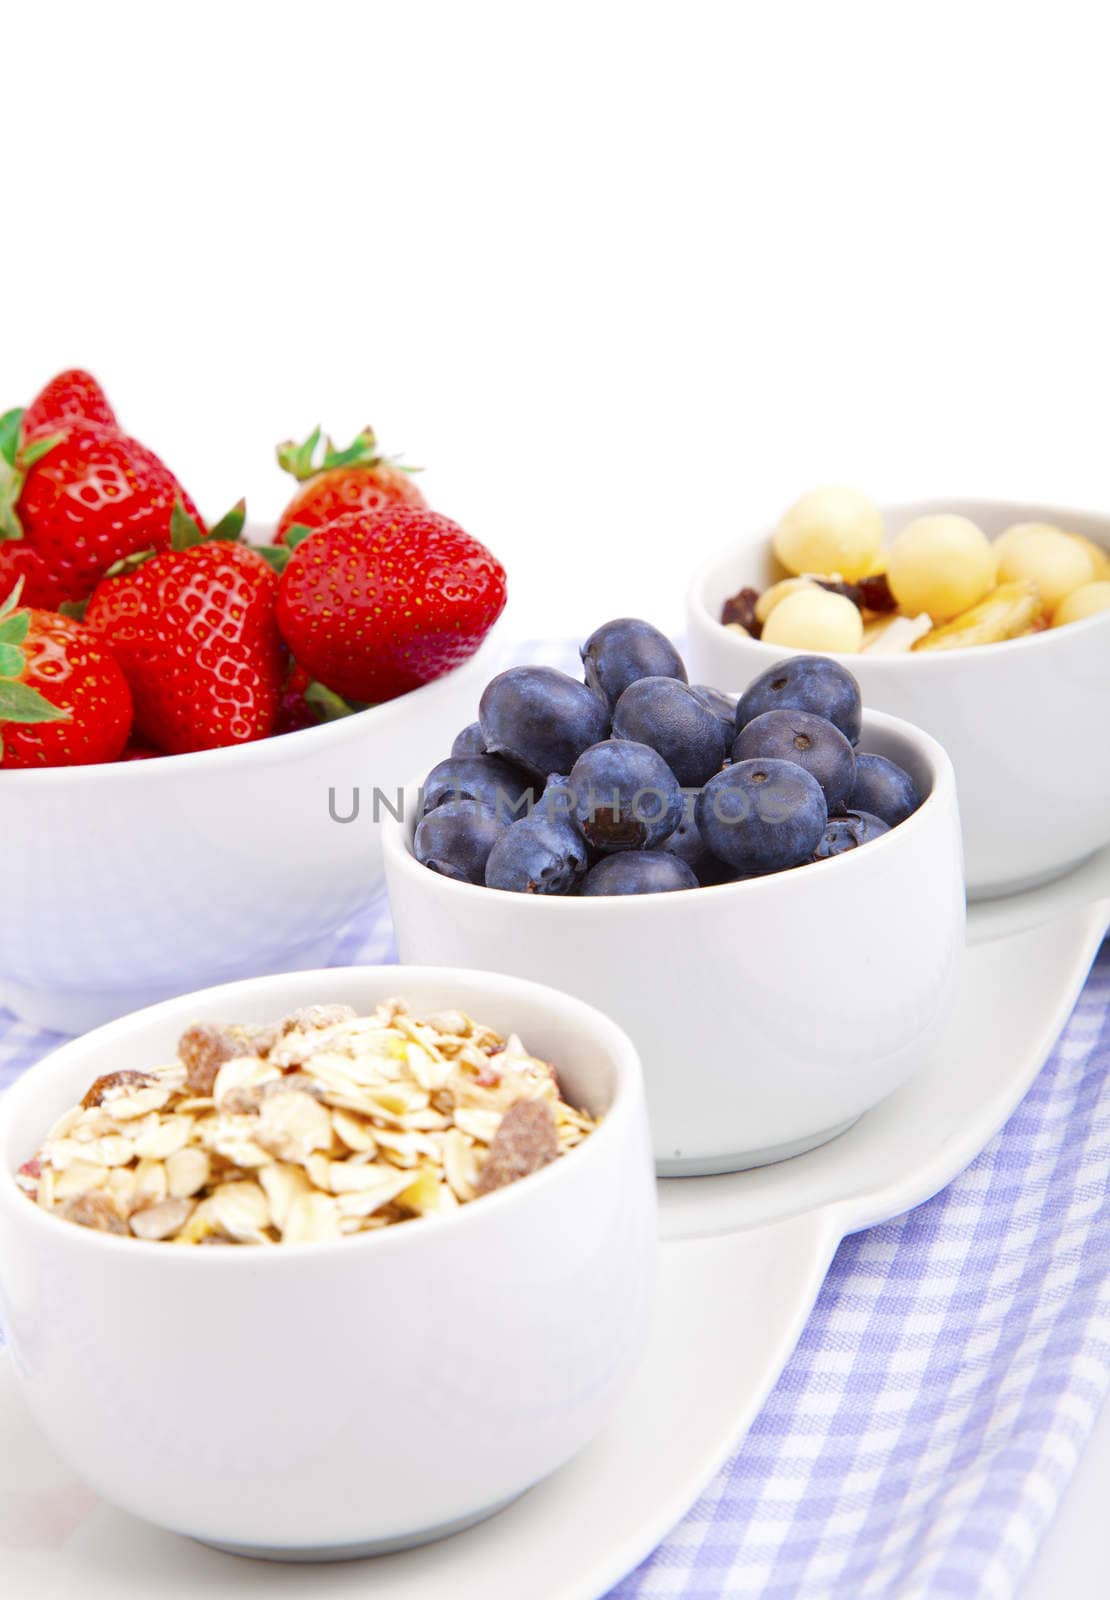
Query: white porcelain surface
point(728, 1312)
point(768, 1014)
point(130, 883)
point(1026, 722)
point(322, 1397)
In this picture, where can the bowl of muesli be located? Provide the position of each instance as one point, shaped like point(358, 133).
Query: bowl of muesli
point(338, 1283)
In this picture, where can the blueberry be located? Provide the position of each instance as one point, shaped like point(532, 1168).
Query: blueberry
point(722, 705)
point(469, 742)
point(848, 832)
point(540, 718)
point(686, 842)
point(641, 872)
point(625, 796)
point(805, 683)
point(500, 787)
point(883, 789)
point(762, 816)
point(663, 713)
point(456, 839)
point(811, 742)
point(556, 803)
point(535, 856)
point(620, 652)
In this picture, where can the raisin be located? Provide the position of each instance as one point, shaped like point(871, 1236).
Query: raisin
point(741, 608)
point(203, 1049)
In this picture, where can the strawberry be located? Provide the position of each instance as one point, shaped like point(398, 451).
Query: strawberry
point(75, 502)
point(355, 479)
point(64, 702)
point(373, 606)
point(193, 629)
point(73, 396)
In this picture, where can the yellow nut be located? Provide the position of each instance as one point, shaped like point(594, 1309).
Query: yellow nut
point(1052, 559)
point(771, 597)
point(1098, 555)
point(1084, 602)
point(940, 564)
point(815, 619)
point(830, 531)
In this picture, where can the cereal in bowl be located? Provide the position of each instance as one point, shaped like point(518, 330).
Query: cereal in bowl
point(322, 1125)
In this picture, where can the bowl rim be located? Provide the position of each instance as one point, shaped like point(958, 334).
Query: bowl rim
point(701, 617)
point(942, 792)
point(304, 741)
point(602, 1145)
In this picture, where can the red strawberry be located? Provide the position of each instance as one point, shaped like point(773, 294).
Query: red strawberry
point(373, 606)
point(305, 704)
point(355, 479)
point(194, 630)
point(64, 702)
point(74, 503)
point(73, 396)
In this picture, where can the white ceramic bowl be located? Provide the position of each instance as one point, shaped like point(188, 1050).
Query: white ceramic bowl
point(1026, 722)
point(769, 1014)
point(322, 1400)
point(129, 883)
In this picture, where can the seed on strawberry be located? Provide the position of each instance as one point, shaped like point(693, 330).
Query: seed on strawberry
point(194, 631)
point(73, 503)
point(73, 396)
point(373, 606)
point(64, 702)
point(359, 478)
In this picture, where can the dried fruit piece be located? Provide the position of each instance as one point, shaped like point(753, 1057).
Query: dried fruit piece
point(525, 1141)
point(202, 1050)
point(742, 609)
point(1007, 611)
point(99, 1091)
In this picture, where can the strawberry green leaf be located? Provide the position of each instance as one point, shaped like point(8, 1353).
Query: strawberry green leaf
point(11, 660)
point(361, 452)
point(301, 459)
point(129, 563)
point(184, 530)
point(297, 458)
point(229, 529)
point(328, 705)
point(276, 554)
point(37, 449)
point(297, 533)
point(20, 703)
point(12, 600)
point(75, 609)
point(13, 630)
point(9, 435)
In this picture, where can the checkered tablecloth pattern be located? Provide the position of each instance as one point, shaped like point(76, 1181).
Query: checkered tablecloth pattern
point(919, 1439)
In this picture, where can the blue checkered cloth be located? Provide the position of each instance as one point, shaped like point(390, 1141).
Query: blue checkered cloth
point(919, 1439)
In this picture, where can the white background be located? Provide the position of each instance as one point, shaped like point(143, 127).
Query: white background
point(625, 279)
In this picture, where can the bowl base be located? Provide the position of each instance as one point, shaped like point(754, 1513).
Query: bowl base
point(78, 1010)
point(356, 1552)
point(1037, 880)
point(745, 1160)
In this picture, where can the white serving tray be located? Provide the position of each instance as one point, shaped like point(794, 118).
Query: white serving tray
point(743, 1258)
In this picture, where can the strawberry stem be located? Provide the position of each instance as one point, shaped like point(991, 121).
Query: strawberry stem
point(14, 465)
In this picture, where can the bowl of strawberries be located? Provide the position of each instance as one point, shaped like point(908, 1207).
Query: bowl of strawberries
point(200, 729)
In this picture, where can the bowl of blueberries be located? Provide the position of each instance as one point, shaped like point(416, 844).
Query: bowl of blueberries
point(765, 892)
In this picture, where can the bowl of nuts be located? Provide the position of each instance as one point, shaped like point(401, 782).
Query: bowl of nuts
point(333, 1284)
point(985, 622)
